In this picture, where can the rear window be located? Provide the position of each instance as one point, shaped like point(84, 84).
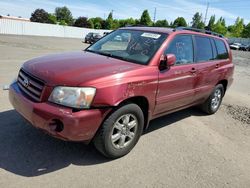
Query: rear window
point(221, 49)
point(204, 49)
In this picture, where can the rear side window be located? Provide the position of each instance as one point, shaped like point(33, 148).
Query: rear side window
point(204, 50)
point(221, 49)
point(182, 48)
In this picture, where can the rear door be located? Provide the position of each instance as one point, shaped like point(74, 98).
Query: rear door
point(209, 61)
point(176, 85)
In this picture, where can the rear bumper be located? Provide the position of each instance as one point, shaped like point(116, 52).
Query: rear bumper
point(77, 126)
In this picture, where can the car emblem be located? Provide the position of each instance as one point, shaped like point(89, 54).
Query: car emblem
point(26, 82)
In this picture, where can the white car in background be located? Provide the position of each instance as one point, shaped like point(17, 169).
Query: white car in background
point(235, 46)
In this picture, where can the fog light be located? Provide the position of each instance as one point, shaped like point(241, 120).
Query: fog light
point(56, 125)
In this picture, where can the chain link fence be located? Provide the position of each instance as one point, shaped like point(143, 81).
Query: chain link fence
point(245, 41)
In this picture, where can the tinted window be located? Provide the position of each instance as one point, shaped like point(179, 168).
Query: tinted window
point(215, 54)
point(221, 48)
point(204, 49)
point(182, 48)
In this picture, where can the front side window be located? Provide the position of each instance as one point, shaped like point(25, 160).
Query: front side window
point(129, 45)
point(221, 48)
point(204, 49)
point(182, 48)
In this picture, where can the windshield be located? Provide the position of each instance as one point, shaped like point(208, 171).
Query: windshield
point(129, 45)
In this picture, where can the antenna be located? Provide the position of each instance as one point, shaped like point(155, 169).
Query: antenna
point(206, 13)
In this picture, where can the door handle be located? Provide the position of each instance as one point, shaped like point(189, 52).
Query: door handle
point(193, 71)
point(217, 66)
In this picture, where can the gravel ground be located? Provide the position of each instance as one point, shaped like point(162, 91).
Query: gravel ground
point(183, 149)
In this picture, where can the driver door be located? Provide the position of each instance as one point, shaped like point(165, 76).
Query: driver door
point(176, 87)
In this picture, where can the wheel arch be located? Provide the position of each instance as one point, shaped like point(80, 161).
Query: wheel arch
point(142, 102)
point(224, 83)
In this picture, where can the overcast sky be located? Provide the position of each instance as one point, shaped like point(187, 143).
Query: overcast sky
point(229, 9)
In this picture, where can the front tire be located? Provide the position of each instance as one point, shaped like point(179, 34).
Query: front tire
point(212, 104)
point(120, 131)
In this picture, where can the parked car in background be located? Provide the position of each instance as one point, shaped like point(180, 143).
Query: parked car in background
point(92, 37)
point(244, 47)
point(235, 46)
point(105, 33)
point(108, 93)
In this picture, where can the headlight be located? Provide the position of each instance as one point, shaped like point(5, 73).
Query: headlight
point(75, 97)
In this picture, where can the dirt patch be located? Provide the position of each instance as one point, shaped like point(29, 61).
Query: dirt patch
point(239, 113)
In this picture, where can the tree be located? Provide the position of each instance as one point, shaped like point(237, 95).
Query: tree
point(109, 21)
point(97, 22)
point(211, 23)
point(91, 24)
point(222, 21)
point(82, 22)
point(116, 24)
point(161, 23)
point(220, 28)
point(180, 22)
point(39, 15)
point(145, 19)
point(197, 21)
point(238, 27)
point(127, 22)
point(62, 22)
point(63, 13)
point(246, 31)
point(52, 19)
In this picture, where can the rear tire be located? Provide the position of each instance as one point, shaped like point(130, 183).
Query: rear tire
point(120, 132)
point(212, 104)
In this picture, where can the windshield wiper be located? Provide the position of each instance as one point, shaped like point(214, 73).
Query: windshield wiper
point(99, 52)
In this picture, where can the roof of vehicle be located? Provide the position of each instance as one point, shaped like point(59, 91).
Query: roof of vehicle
point(178, 29)
point(151, 29)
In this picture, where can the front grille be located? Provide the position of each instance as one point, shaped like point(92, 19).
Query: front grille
point(30, 85)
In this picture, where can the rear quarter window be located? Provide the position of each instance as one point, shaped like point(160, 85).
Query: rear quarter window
point(221, 49)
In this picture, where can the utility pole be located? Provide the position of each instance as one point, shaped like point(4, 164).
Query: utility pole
point(206, 13)
point(112, 11)
point(154, 14)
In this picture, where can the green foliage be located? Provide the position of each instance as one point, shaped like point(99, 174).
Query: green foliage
point(64, 14)
point(197, 21)
point(52, 19)
point(180, 22)
point(116, 24)
point(219, 28)
point(127, 22)
point(211, 23)
point(97, 22)
point(145, 19)
point(161, 23)
point(62, 22)
point(238, 27)
point(82, 22)
point(91, 24)
point(109, 21)
point(246, 31)
point(39, 15)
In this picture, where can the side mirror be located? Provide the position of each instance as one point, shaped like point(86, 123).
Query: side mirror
point(167, 61)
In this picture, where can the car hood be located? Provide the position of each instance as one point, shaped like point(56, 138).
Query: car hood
point(76, 68)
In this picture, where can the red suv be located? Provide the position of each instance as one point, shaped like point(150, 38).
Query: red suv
point(109, 92)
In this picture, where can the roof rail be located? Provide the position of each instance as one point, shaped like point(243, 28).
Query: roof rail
point(199, 30)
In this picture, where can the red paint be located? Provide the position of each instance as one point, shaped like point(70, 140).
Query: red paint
point(115, 81)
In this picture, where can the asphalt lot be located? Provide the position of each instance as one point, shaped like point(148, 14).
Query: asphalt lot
point(184, 149)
